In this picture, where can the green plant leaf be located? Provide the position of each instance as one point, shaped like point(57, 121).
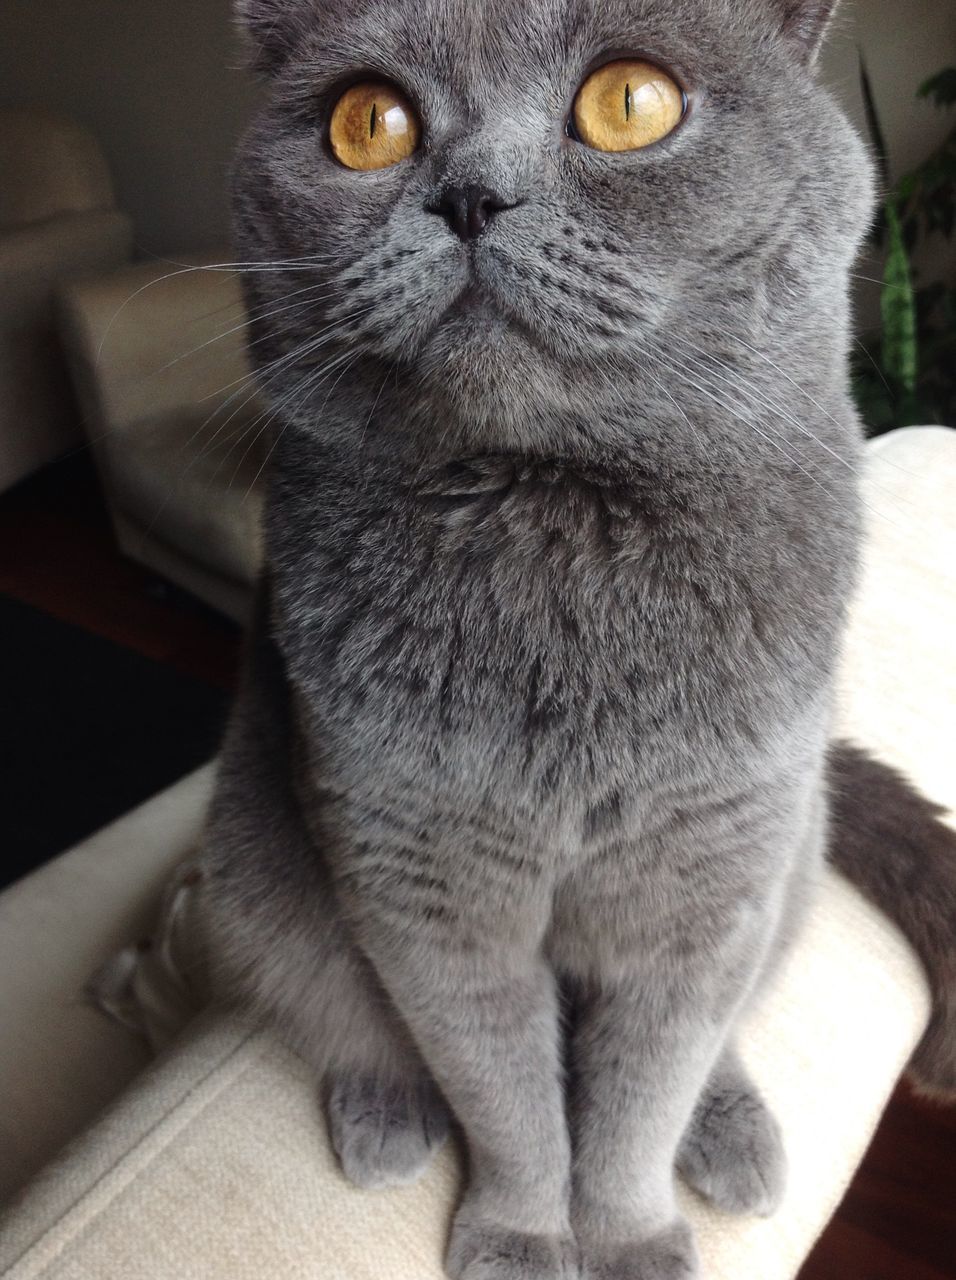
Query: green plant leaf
point(906, 373)
point(906, 187)
point(941, 88)
point(900, 355)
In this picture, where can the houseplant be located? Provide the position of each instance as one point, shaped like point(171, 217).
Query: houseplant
point(905, 371)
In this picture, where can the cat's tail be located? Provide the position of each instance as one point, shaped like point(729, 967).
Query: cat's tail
point(889, 841)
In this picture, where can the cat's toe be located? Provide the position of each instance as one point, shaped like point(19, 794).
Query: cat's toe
point(385, 1133)
point(733, 1154)
point(668, 1255)
point(480, 1250)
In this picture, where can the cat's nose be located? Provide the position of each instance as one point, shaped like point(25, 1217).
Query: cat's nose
point(468, 210)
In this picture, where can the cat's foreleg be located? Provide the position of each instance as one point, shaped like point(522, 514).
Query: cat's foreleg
point(290, 956)
point(468, 979)
point(639, 1062)
point(279, 944)
point(653, 1014)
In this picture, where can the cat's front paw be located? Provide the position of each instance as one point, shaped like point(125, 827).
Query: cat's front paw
point(385, 1133)
point(667, 1255)
point(733, 1153)
point(482, 1250)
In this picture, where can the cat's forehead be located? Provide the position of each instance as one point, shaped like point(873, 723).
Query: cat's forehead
point(486, 43)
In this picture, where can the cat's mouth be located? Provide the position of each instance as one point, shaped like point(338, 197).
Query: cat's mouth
point(476, 302)
point(478, 308)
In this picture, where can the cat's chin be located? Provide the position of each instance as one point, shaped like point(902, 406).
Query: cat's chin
point(490, 371)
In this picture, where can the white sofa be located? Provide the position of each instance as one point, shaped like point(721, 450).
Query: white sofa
point(214, 1162)
point(58, 219)
point(179, 435)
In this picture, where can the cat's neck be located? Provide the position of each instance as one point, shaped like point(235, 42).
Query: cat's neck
point(718, 459)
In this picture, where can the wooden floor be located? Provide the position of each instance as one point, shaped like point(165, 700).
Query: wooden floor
point(898, 1220)
point(58, 554)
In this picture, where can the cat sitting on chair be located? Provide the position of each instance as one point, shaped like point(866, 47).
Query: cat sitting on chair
point(530, 776)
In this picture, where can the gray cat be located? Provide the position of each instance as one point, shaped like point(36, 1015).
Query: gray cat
point(528, 780)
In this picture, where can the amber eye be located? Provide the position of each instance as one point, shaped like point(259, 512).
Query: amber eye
point(374, 126)
point(626, 105)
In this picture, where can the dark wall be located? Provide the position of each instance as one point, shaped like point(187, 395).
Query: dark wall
point(161, 86)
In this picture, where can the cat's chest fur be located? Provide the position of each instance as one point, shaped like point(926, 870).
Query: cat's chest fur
point(544, 617)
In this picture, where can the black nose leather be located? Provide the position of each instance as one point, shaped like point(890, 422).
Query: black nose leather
point(468, 210)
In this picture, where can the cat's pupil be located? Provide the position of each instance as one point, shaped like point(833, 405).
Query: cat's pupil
point(627, 102)
point(371, 127)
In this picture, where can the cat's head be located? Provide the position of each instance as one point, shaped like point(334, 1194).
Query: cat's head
point(530, 214)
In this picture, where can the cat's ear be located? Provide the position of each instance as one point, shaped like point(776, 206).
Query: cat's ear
point(273, 27)
point(805, 22)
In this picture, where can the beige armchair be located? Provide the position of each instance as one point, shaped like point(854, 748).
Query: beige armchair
point(57, 219)
point(179, 436)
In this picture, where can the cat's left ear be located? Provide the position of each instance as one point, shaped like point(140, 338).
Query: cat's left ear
point(805, 22)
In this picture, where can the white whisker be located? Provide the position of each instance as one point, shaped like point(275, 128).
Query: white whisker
point(245, 323)
point(313, 380)
point(305, 263)
point(681, 371)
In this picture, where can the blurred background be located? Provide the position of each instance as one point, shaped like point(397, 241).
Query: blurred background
point(132, 441)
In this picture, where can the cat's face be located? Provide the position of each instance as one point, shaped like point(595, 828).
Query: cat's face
point(603, 270)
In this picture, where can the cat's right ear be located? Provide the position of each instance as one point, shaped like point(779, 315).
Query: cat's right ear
point(805, 23)
point(272, 27)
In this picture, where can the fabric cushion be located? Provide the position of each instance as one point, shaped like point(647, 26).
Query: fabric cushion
point(217, 1165)
point(178, 431)
point(51, 165)
point(57, 220)
point(897, 691)
point(38, 418)
point(61, 1061)
point(204, 501)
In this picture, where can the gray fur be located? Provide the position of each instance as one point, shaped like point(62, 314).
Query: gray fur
point(385, 1137)
point(732, 1151)
point(525, 785)
point(891, 843)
